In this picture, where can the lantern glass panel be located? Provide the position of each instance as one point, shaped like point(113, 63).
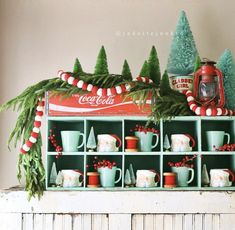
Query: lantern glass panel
point(207, 91)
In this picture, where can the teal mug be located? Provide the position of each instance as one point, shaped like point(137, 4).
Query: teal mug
point(183, 175)
point(215, 139)
point(70, 140)
point(145, 143)
point(107, 176)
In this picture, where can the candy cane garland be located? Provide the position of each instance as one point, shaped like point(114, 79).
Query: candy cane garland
point(206, 110)
point(67, 77)
point(36, 129)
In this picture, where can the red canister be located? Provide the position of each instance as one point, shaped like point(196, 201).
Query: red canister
point(93, 180)
point(169, 180)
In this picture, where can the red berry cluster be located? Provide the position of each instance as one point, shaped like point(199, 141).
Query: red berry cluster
point(183, 163)
point(226, 147)
point(141, 128)
point(53, 141)
point(97, 163)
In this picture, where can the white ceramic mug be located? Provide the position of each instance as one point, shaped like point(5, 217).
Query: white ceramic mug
point(71, 178)
point(147, 178)
point(181, 143)
point(215, 139)
point(220, 177)
point(107, 143)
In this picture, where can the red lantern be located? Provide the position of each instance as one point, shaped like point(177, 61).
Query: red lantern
point(208, 85)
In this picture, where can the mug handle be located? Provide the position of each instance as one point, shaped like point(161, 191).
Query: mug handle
point(192, 175)
point(230, 174)
point(157, 138)
point(118, 139)
point(191, 139)
point(81, 174)
point(228, 136)
point(120, 175)
point(82, 134)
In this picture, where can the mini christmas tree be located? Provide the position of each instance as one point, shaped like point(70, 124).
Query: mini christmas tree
point(154, 68)
point(127, 179)
point(132, 175)
point(183, 49)
point(226, 64)
point(205, 176)
point(165, 85)
point(101, 66)
point(144, 70)
point(126, 72)
point(53, 174)
point(77, 68)
point(166, 143)
point(91, 142)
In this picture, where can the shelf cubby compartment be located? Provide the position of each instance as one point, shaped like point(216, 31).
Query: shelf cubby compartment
point(187, 126)
point(73, 162)
point(64, 125)
point(143, 162)
point(112, 158)
point(105, 127)
point(129, 126)
point(219, 162)
point(176, 158)
point(226, 125)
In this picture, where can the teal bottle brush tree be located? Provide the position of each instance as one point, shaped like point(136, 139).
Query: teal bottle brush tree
point(183, 51)
point(226, 64)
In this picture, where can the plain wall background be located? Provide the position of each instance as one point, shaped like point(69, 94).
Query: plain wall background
point(39, 37)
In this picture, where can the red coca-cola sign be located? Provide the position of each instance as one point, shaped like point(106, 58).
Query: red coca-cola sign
point(94, 105)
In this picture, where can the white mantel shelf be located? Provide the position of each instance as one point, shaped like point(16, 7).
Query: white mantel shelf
point(116, 202)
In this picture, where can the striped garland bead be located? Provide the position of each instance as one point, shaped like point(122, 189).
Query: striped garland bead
point(35, 131)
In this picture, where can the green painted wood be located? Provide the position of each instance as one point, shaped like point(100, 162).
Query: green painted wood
point(195, 126)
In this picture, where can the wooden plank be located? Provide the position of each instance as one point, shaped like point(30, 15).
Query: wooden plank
point(11, 221)
point(28, 220)
point(86, 222)
point(208, 223)
point(100, 222)
point(188, 221)
point(120, 221)
point(216, 221)
point(58, 221)
point(168, 222)
point(38, 222)
point(138, 222)
point(67, 222)
point(149, 222)
point(178, 222)
point(48, 222)
point(198, 222)
point(159, 222)
point(77, 222)
point(227, 221)
point(146, 202)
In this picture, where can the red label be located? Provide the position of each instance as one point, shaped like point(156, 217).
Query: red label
point(94, 105)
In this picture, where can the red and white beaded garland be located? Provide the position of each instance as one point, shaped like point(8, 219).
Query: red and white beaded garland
point(206, 110)
point(67, 77)
point(36, 129)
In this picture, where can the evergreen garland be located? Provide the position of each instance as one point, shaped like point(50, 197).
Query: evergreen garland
point(226, 64)
point(154, 68)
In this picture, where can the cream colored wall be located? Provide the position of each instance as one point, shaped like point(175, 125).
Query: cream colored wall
point(39, 37)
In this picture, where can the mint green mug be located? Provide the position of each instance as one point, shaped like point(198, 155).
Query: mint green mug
point(183, 175)
point(145, 143)
point(70, 140)
point(107, 176)
point(215, 139)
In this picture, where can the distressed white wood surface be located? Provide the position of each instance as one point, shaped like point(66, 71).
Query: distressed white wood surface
point(10, 221)
point(117, 202)
point(119, 221)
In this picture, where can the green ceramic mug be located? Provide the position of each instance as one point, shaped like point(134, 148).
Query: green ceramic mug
point(70, 140)
point(107, 176)
point(183, 175)
point(215, 139)
point(145, 143)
